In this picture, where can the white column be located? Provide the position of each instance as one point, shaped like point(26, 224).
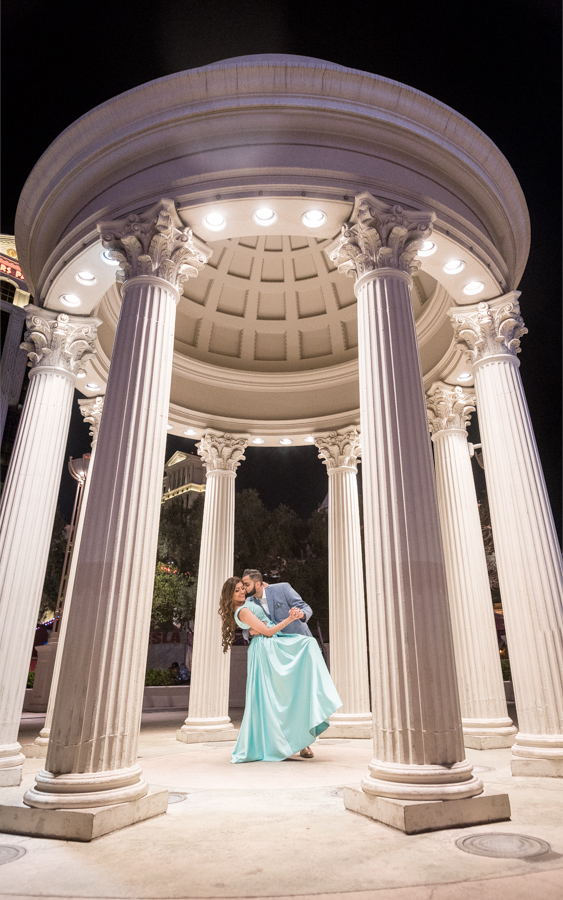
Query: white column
point(527, 551)
point(208, 716)
point(92, 754)
point(418, 743)
point(91, 409)
point(12, 366)
point(57, 346)
point(485, 719)
point(347, 608)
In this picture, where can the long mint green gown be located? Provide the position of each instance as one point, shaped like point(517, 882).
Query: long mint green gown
point(289, 695)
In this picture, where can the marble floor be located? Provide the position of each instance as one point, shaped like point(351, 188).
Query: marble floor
point(280, 830)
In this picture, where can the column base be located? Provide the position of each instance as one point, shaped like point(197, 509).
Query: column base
point(488, 734)
point(538, 755)
point(203, 736)
point(538, 768)
point(11, 762)
point(81, 824)
point(415, 816)
point(35, 750)
point(358, 728)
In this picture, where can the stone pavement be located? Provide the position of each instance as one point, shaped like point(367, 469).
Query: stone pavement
point(280, 830)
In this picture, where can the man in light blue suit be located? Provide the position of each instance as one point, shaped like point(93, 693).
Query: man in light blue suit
point(276, 600)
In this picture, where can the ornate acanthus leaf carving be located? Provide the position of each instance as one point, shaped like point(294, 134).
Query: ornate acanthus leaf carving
point(490, 329)
point(381, 237)
point(221, 452)
point(337, 450)
point(448, 407)
point(59, 342)
point(91, 409)
point(154, 243)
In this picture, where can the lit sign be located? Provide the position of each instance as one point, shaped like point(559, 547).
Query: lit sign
point(11, 269)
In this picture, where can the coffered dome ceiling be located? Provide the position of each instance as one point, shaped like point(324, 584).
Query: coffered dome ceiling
point(273, 303)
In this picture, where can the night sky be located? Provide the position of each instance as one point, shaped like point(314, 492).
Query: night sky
point(498, 63)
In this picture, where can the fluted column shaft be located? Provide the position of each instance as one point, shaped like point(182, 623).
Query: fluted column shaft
point(208, 716)
point(348, 631)
point(209, 688)
point(28, 505)
point(92, 410)
point(418, 742)
point(485, 719)
point(527, 551)
point(94, 732)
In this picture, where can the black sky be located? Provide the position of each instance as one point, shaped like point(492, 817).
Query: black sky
point(498, 63)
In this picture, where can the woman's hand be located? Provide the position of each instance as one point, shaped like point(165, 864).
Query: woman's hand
point(295, 613)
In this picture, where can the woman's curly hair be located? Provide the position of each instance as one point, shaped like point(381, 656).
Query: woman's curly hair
point(227, 611)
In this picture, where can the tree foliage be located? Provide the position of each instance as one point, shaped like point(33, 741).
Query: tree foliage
point(54, 568)
point(174, 596)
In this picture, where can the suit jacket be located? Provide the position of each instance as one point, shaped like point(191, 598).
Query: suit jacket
point(281, 597)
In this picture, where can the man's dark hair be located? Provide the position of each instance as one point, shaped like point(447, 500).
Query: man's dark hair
point(254, 574)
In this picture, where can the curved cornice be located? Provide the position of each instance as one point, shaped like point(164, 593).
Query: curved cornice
point(181, 113)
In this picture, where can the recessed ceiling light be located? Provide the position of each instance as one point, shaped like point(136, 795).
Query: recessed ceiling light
point(257, 440)
point(81, 375)
point(309, 439)
point(169, 426)
point(70, 300)
point(92, 386)
point(265, 216)
point(214, 221)
point(86, 278)
point(314, 218)
point(465, 376)
point(190, 432)
point(286, 441)
point(474, 287)
point(454, 266)
point(107, 258)
point(428, 248)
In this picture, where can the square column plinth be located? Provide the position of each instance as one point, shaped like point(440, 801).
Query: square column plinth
point(415, 816)
point(81, 824)
point(205, 737)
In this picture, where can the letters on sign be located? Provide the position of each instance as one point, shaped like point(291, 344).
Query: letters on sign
point(165, 637)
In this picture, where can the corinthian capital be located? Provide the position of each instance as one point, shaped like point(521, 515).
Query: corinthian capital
point(91, 409)
point(154, 243)
point(55, 340)
point(221, 452)
point(379, 236)
point(337, 450)
point(448, 407)
point(490, 329)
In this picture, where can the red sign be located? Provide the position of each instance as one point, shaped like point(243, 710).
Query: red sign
point(11, 268)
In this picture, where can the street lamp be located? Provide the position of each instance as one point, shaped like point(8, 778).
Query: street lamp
point(78, 468)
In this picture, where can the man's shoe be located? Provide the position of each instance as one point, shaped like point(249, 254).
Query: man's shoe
point(306, 753)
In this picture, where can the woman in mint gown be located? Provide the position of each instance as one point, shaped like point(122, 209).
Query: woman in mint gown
point(289, 692)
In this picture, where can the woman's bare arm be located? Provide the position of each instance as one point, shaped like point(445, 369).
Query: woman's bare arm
point(258, 627)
